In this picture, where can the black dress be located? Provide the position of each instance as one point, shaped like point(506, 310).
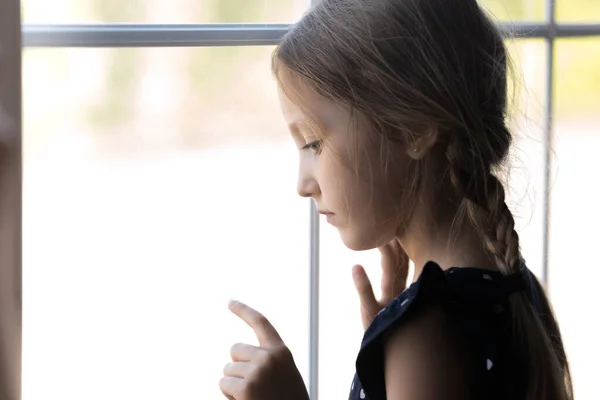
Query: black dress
point(476, 302)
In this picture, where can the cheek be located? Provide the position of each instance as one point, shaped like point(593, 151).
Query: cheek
point(382, 187)
point(332, 178)
point(382, 205)
point(362, 185)
point(370, 212)
point(371, 223)
point(366, 186)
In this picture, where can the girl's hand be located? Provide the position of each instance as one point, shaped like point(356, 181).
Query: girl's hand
point(267, 372)
point(394, 264)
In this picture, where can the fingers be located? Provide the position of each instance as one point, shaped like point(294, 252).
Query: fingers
point(394, 258)
point(365, 290)
point(395, 268)
point(388, 266)
point(237, 369)
point(265, 332)
point(243, 352)
point(231, 386)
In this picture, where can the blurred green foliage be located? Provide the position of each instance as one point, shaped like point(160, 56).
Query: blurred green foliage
point(577, 84)
point(515, 10)
point(210, 64)
point(578, 11)
point(577, 60)
point(577, 71)
point(120, 77)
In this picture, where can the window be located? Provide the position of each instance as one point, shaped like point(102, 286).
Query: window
point(128, 133)
point(141, 157)
point(574, 201)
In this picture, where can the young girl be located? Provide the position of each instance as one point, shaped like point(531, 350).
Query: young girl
point(398, 109)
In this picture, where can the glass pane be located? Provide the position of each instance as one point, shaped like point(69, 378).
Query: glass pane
point(340, 307)
point(515, 10)
point(159, 183)
point(158, 11)
point(575, 198)
point(340, 325)
point(578, 11)
point(524, 176)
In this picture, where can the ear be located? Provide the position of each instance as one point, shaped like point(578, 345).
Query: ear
point(420, 146)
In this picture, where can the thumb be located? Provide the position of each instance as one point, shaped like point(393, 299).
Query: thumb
point(369, 304)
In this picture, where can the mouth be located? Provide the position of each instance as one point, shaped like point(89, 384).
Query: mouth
point(328, 214)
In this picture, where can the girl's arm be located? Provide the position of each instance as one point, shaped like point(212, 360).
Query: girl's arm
point(424, 360)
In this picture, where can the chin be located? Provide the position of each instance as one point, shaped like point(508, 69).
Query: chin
point(358, 242)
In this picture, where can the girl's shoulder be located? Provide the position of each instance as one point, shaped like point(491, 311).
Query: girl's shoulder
point(465, 308)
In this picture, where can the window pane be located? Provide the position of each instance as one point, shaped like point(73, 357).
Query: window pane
point(524, 176)
point(578, 11)
point(159, 183)
point(575, 198)
point(515, 10)
point(158, 11)
point(340, 307)
point(339, 318)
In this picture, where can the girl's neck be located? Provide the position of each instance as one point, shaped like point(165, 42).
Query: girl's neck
point(436, 236)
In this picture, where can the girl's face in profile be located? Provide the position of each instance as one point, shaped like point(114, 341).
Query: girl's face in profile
point(346, 170)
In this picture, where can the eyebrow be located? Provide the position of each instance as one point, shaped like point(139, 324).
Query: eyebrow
point(294, 128)
point(303, 124)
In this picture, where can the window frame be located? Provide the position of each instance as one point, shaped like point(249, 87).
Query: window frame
point(203, 35)
point(10, 203)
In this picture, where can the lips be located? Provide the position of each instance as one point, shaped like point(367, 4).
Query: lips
point(328, 214)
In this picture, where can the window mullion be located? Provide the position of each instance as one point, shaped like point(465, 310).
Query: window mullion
point(202, 35)
point(149, 35)
point(548, 139)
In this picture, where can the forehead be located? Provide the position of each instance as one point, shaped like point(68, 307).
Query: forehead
point(304, 105)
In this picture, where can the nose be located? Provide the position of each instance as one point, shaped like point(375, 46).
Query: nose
point(307, 184)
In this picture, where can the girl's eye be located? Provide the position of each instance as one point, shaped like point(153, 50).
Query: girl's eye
point(314, 146)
